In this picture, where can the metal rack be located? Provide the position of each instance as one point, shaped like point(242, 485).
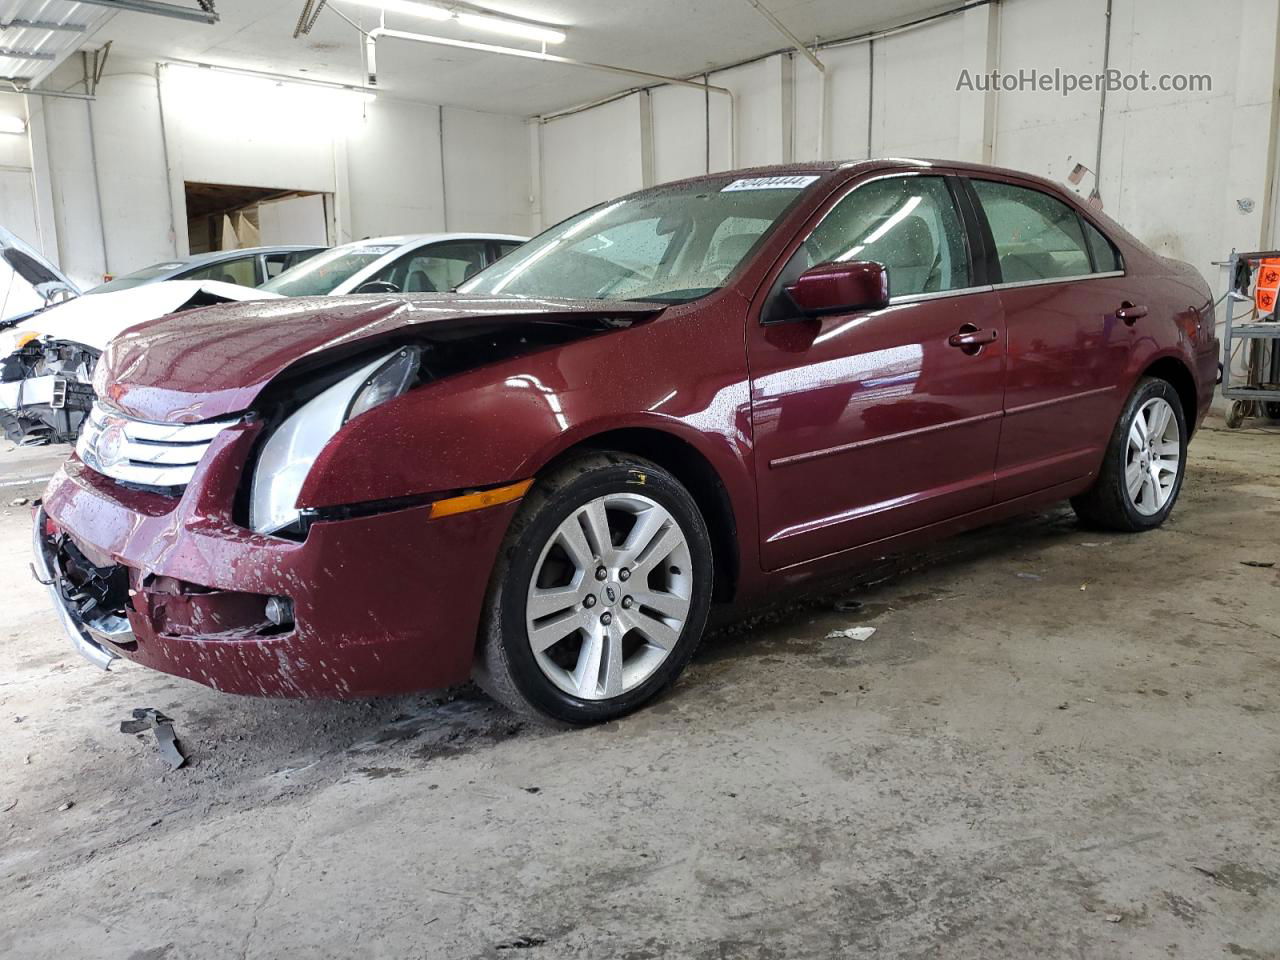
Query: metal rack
point(1259, 394)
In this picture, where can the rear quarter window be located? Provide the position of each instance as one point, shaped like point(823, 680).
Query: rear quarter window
point(1106, 259)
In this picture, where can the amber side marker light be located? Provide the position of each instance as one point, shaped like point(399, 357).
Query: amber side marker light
point(478, 501)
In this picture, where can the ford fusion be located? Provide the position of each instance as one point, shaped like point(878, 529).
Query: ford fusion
point(696, 393)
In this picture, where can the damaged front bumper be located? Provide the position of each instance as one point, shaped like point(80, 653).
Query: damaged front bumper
point(371, 605)
point(88, 636)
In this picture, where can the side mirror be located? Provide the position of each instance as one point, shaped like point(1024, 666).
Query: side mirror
point(377, 286)
point(840, 287)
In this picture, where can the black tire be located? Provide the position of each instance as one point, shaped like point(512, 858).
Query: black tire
point(1107, 504)
point(505, 665)
point(1273, 410)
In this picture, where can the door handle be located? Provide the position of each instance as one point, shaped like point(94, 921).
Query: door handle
point(971, 340)
point(1130, 313)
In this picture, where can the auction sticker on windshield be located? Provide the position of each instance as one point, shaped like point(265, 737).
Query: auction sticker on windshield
point(770, 183)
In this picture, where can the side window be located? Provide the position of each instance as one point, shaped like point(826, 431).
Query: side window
point(434, 269)
point(909, 224)
point(505, 247)
point(278, 263)
point(1037, 237)
point(1105, 257)
point(243, 271)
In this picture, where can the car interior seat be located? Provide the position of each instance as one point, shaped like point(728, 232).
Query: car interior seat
point(730, 250)
point(419, 282)
point(910, 254)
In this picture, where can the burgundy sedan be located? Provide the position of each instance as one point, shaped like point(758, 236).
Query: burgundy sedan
point(696, 393)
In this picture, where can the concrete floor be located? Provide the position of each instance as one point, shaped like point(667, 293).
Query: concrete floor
point(1058, 743)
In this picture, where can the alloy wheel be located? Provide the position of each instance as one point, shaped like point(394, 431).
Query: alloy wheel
point(1152, 457)
point(609, 596)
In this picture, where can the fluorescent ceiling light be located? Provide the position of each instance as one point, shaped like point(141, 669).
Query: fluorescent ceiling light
point(512, 28)
point(10, 123)
point(407, 7)
point(491, 22)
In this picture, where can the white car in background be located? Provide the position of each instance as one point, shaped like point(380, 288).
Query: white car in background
point(420, 263)
point(48, 353)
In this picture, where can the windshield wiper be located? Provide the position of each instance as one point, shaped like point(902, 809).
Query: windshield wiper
point(674, 296)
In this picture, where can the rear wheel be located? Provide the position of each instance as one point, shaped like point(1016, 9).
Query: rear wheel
point(1143, 467)
point(600, 593)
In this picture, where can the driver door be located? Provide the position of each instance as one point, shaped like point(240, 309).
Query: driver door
point(871, 423)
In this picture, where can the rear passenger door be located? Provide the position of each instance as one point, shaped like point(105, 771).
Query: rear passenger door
point(1060, 283)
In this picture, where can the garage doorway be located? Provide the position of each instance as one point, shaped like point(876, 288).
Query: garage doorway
point(228, 217)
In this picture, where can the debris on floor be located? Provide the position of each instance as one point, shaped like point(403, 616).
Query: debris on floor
point(148, 718)
point(848, 605)
point(852, 633)
point(67, 805)
point(1114, 918)
point(1030, 576)
point(20, 502)
point(522, 943)
point(1264, 564)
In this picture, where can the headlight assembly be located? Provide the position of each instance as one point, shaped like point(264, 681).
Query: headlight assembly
point(292, 448)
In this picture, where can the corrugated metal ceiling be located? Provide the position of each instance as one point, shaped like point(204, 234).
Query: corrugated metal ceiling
point(30, 27)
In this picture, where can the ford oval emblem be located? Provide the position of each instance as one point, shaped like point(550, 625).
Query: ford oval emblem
point(110, 448)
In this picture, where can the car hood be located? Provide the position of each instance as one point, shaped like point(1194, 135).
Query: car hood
point(29, 280)
point(95, 321)
point(214, 362)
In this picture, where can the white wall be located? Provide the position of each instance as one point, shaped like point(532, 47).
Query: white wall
point(487, 172)
point(1173, 164)
point(381, 161)
point(18, 210)
point(1049, 134)
point(680, 135)
point(393, 171)
point(589, 157)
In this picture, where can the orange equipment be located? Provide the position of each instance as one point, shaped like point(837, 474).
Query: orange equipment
point(1268, 286)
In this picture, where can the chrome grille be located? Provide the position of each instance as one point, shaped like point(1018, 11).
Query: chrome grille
point(142, 452)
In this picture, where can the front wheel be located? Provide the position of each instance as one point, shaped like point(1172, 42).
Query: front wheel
point(600, 593)
point(1144, 464)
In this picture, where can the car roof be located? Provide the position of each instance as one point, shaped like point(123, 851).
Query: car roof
point(405, 239)
point(216, 256)
point(855, 166)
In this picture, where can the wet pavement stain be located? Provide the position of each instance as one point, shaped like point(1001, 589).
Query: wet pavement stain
point(378, 773)
point(1233, 876)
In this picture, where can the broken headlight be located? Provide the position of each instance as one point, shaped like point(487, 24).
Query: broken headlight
point(292, 448)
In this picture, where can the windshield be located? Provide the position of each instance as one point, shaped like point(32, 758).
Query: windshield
point(139, 277)
point(671, 244)
point(319, 276)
